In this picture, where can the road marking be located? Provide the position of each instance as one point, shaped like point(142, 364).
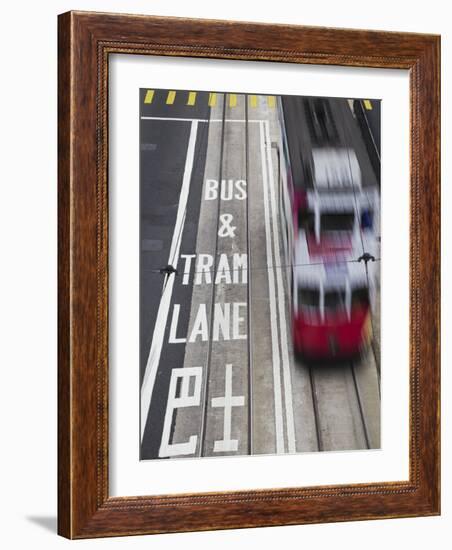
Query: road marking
point(368, 104)
point(273, 312)
point(178, 119)
point(162, 314)
point(227, 402)
point(236, 120)
point(173, 339)
point(171, 97)
point(281, 303)
point(179, 402)
point(174, 119)
point(212, 99)
point(149, 96)
point(191, 98)
point(226, 229)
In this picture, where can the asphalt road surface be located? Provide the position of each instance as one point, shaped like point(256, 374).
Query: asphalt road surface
point(218, 374)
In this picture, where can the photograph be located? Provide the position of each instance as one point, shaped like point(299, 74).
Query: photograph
point(259, 297)
point(224, 237)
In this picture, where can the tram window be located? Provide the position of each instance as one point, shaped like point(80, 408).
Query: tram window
point(308, 297)
point(337, 222)
point(334, 299)
point(306, 220)
point(367, 217)
point(308, 174)
point(360, 297)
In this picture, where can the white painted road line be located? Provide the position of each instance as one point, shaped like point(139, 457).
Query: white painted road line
point(236, 120)
point(273, 311)
point(176, 119)
point(162, 314)
point(281, 303)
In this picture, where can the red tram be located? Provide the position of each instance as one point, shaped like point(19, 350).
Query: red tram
point(333, 204)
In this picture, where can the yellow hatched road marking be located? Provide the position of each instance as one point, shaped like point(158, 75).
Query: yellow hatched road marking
point(271, 99)
point(232, 100)
point(212, 99)
point(191, 98)
point(171, 97)
point(253, 100)
point(367, 104)
point(149, 96)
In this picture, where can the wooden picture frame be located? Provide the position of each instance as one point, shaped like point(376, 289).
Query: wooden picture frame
point(85, 42)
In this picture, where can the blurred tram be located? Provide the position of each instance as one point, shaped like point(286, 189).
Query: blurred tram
point(332, 192)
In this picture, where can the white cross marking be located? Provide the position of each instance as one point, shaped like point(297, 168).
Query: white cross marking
point(228, 401)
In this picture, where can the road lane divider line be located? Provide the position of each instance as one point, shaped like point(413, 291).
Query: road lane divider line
point(253, 101)
point(191, 98)
point(271, 101)
point(272, 299)
point(232, 100)
point(171, 97)
point(290, 424)
point(149, 96)
point(165, 301)
point(368, 104)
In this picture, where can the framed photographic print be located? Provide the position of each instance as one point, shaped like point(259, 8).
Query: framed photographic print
point(248, 275)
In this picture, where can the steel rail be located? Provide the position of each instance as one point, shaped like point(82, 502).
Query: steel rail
point(248, 294)
point(315, 406)
point(205, 393)
point(360, 405)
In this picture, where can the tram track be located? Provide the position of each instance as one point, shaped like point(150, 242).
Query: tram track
point(353, 422)
point(225, 144)
point(356, 403)
point(205, 393)
point(247, 141)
